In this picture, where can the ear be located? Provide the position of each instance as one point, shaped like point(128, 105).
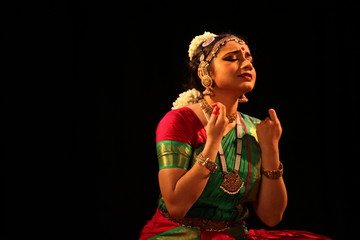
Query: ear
point(200, 73)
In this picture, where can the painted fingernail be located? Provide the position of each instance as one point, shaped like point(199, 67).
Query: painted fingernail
point(216, 111)
point(214, 104)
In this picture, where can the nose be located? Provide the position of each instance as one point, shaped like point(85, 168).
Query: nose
point(246, 64)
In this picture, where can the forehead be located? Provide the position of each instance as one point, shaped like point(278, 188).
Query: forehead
point(232, 46)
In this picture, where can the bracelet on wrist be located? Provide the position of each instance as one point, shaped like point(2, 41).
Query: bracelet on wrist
point(273, 174)
point(211, 166)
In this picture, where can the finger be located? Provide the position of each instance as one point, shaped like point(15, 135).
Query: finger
point(216, 110)
point(222, 111)
point(214, 115)
point(214, 104)
point(272, 114)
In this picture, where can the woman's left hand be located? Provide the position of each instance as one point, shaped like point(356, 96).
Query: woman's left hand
point(269, 131)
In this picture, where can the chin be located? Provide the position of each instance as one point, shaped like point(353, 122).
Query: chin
point(247, 88)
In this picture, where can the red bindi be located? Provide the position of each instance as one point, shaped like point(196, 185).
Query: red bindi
point(242, 49)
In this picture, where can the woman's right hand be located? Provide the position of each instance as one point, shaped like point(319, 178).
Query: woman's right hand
point(217, 123)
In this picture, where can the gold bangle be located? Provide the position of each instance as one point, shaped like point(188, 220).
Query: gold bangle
point(212, 166)
point(273, 174)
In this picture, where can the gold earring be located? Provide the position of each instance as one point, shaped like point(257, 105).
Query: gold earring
point(206, 81)
point(208, 91)
point(243, 99)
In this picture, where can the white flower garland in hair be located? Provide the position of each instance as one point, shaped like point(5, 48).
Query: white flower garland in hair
point(187, 98)
point(192, 96)
point(197, 41)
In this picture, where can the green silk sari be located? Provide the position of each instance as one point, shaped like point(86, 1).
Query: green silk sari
point(214, 203)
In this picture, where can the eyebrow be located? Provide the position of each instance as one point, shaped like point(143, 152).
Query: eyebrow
point(236, 52)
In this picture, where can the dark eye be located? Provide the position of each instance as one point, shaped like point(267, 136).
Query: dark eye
point(231, 58)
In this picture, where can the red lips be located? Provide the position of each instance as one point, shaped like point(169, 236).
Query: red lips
point(247, 76)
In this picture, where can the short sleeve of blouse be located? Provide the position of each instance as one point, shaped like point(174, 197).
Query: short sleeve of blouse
point(176, 135)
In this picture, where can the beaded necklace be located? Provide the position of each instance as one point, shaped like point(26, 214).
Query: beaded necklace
point(232, 182)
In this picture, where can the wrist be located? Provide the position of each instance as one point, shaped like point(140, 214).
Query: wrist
point(273, 173)
point(270, 148)
point(211, 150)
point(210, 165)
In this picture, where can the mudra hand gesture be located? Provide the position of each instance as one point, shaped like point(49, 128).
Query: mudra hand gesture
point(269, 131)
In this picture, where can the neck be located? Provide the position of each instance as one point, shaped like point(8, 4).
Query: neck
point(230, 103)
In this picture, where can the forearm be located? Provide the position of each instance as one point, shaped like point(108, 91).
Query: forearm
point(272, 197)
point(187, 191)
point(186, 187)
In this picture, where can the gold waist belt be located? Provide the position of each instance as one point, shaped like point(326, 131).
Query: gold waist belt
point(200, 223)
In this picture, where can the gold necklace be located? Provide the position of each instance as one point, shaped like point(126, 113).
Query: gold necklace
point(208, 110)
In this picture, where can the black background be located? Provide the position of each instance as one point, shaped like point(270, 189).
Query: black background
point(89, 82)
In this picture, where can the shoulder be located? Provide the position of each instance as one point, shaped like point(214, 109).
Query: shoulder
point(181, 114)
point(250, 119)
point(250, 123)
point(179, 125)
